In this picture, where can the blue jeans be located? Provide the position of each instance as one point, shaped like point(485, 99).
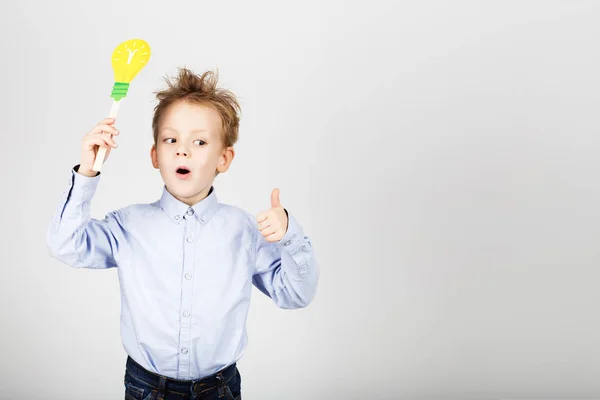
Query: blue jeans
point(141, 384)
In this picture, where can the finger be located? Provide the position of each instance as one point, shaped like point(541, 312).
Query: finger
point(275, 198)
point(102, 131)
point(104, 137)
point(102, 141)
point(107, 120)
point(263, 226)
point(104, 128)
point(275, 237)
point(261, 217)
point(104, 144)
point(273, 223)
point(268, 231)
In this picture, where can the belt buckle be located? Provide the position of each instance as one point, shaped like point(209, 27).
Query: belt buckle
point(196, 388)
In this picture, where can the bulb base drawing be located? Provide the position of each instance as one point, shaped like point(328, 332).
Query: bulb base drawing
point(119, 90)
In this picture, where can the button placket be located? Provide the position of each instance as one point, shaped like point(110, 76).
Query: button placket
point(191, 226)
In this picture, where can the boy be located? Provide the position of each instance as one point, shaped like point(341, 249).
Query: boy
point(186, 263)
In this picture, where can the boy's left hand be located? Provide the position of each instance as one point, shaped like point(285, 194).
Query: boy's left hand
point(273, 224)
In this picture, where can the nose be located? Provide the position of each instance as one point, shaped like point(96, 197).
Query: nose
point(181, 152)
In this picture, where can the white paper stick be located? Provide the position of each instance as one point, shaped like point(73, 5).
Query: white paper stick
point(102, 151)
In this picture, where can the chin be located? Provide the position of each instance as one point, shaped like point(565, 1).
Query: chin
point(181, 189)
point(188, 192)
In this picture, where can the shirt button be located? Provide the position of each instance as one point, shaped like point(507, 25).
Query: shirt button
point(186, 314)
point(190, 211)
point(188, 276)
point(203, 218)
point(177, 218)
point(190, 239)
point(184, 351)
point(287, 243)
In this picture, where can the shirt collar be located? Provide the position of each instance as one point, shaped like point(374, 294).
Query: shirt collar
point(178, 210)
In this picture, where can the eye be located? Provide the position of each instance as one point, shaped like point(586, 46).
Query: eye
point(201, 142)
point(167, 140)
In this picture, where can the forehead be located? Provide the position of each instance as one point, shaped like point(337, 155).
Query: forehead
point(184, 118)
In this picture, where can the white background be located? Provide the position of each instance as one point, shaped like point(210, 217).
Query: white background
point(441, 155)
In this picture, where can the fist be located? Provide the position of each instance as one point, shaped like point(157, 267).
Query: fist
point(273, 224)
point(99, 136)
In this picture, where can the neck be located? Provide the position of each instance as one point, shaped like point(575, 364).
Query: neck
point(195, 199)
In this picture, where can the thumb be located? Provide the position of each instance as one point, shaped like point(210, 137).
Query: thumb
point(275, 198)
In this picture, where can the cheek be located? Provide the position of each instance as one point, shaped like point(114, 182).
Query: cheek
point(162, 153)
point(206, 158)
point(162, 159)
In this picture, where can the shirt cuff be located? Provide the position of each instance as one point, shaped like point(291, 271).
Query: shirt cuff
point(82, 188)
point(293, 238)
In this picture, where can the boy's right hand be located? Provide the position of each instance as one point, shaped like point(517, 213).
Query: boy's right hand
point(92, 141)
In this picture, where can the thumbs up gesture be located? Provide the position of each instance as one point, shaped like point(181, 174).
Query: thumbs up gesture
point(273, 224)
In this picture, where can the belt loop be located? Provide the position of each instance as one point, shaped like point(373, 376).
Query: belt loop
point(192, 392)
point(162, 386)
point(221, 384)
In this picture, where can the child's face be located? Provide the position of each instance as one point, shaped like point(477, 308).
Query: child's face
point(189, 135)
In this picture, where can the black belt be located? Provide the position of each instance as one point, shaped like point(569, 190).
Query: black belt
point(218, 381)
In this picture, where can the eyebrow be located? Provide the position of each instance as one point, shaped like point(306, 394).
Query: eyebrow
point(174, 130)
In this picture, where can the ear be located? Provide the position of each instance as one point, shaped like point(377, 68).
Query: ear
point(154, 156)
point(225, 159)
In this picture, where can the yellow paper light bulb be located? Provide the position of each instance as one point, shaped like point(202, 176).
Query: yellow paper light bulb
point(127, 60)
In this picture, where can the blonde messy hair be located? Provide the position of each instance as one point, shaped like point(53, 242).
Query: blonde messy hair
point(201, 90)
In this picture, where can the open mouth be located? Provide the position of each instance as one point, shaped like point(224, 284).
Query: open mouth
point(182, 172)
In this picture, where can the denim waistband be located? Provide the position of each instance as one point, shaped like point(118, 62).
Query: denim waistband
point(197, 386)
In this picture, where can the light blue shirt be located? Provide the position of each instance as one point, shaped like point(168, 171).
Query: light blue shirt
point(185, 273)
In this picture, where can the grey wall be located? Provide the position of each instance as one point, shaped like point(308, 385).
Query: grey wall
point(441, 155)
